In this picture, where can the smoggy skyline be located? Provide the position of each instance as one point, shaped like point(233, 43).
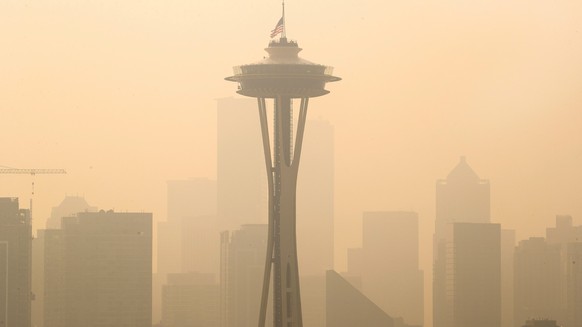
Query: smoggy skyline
point(122, 95)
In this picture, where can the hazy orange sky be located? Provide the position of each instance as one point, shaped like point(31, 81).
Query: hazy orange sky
point(122, 95)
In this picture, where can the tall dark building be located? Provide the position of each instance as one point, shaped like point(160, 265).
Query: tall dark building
point(473, 275)
point(15, 264)
point(538, 280)
point(461, 197)
point(105, 277)
point(282, 76)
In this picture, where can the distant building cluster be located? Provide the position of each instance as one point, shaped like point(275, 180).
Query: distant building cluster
point(203, 265)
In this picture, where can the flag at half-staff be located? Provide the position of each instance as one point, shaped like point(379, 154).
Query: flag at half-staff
point(278, 28)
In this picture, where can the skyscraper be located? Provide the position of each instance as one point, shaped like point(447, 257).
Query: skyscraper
point(242, 185)
point(391, 277)
point(538, 281)
point(241, 275)
point(188, 241)
point(473, 275)
point(106, 279)
point(315, 200)
point(190, 300)
point(70, 205)
point(15, 264)
point(573, 284)
point(461, 197)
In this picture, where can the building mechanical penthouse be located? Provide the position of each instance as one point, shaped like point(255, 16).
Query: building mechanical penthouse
point(282, 76)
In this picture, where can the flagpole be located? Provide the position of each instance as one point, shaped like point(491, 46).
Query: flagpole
point(284, 34)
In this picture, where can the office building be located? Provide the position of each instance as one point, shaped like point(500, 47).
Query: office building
point(70, 206)
point(243, 254)
point(190, 300)
point(54, 278)
point(105, 260)
point(242, 183)
point(573, 284)
point(538, 280)
point(189, 239)
point(507, 277)
point(315, 200)
point(461, 197)
point(15, 264)
point(473, 275)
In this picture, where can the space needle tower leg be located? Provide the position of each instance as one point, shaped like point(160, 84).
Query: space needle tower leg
point(282, 169)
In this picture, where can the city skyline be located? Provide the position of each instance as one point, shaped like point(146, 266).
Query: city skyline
point(122, 96)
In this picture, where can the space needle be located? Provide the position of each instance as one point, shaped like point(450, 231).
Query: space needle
point(282, 76)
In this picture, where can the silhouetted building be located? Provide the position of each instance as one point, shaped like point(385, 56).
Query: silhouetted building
point(537, 280)
point(37, 285)
point(241, 275)
point(564, 232)
point(462, 197)
point(507, 277)
point(355, 267)
point(106, 277)
point(315, 200)
point(242, 185)
point(540, 323)
point(473, 275)
point(391, 277)
point(54, 295)
point(346, 306)
point(188, 241)
point(70, 206)
point(15, 264)
point(313, 300)
point(573, 284)
point(190, 300)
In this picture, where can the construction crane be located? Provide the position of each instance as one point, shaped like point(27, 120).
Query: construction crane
point(31, 172)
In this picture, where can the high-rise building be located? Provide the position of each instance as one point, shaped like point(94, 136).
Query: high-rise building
point(473, 275)
point(15, 264)
point(391, 277)
point(54, 278)
point(70, 205)
point(573, 284)
point(241, 275)
point(461, 197)
point(37, 285)
point(564, 231)
point(106, 277)
point(189, 239)
point(507, 277)
point(190, 300)
point(315, 200)
point(242, 185)
point(538, 280)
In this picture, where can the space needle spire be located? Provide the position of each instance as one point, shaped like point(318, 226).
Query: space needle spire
point(280, 78)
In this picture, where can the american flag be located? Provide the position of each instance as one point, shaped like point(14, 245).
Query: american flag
point(278, 29)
